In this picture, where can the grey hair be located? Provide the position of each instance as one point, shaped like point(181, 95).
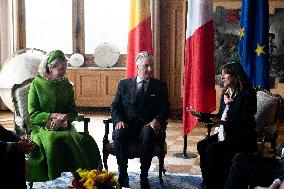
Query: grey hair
point(141, 55)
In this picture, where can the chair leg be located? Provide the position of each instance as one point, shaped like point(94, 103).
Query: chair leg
point(30, 185)
point(162, 169)
point(261, 148)
point(105, 157)
point(273, 146)
point(273, 143)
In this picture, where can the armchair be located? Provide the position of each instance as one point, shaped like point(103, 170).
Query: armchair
point(267, 118)
point(134, 150)
point(21, 115)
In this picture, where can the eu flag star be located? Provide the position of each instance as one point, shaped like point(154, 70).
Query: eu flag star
point(260, 49)
point(242, 32)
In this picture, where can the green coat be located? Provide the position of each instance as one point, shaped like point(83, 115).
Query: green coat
point(57, 151)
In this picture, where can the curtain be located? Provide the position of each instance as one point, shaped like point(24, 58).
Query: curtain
point(6, 35)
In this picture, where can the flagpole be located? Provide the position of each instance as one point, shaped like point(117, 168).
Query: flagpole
point(185, 155)
point(199, 70)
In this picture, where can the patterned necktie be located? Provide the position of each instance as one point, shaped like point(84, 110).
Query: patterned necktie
point(140, 94)
point(141, 90)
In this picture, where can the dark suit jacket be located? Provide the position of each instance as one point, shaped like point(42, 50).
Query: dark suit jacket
point(6, 136)
point(154, 105)
point(241, 125)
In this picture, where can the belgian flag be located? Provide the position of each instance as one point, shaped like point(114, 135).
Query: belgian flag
point(140, 33)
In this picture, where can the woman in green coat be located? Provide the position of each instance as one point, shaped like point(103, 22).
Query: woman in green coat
point(58, 146)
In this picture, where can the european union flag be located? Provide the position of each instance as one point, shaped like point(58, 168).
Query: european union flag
point(253, 44)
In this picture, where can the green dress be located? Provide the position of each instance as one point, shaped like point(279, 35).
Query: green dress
point(55, 152)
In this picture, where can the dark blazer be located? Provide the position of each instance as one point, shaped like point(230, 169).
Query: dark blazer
point(241, 125)
point(155, 104)
point(2, 147)
point(6, 136)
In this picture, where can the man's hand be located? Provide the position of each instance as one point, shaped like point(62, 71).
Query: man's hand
point(282, 185)
point(24, 146)
point(275, 184)
point(121, 125)
point(155, 124)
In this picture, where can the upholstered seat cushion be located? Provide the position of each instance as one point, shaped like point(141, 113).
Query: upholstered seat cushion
point(267, 107)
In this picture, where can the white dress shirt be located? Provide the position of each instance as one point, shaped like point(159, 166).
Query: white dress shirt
point(139, 83)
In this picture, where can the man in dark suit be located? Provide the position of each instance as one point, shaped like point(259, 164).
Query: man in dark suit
point(249, 169)
point(139, 111)
point(12, 158)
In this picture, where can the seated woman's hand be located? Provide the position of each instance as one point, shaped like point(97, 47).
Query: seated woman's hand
point(64, 124)
point(218, 121)
point(59, 116)
point(193, 112)
point(56, 124)
point(227, 98)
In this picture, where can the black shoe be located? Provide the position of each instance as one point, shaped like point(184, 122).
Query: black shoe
point(144, 183)
point(124, 181)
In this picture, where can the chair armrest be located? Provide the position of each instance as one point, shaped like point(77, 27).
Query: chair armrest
point(20, 126)
point(86, 120)
point(209, 126)
point(19, 120)
point(106, 122)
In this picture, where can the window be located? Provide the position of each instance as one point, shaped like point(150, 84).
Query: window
point(76, 25)
point(49, 25)
point(106, 21)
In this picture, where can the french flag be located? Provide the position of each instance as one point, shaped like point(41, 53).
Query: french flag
point(199, 70)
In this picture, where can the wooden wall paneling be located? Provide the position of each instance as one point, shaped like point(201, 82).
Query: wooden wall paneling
point(71, 76)
point(90, 87)
point(172, 40)
point(88, 90)
point(95, 87)
point(111, 83)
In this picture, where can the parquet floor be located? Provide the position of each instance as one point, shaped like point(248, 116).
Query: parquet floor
point(174, 139)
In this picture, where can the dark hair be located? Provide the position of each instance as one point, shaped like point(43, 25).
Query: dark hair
point(240, 78)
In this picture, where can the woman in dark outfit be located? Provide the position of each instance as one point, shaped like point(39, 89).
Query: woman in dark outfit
point(236, 127)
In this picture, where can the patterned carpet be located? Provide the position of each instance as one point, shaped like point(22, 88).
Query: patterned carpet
point(171, 181)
